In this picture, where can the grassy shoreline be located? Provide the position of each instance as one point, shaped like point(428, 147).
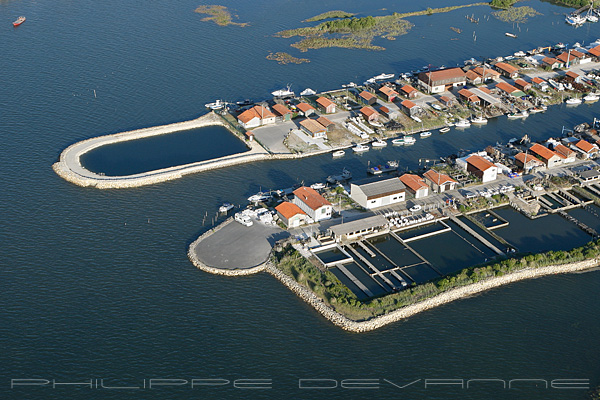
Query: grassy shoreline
point(340, 299)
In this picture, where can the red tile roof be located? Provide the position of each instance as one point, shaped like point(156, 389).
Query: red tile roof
point(388, 91)
point(538, 80)
point(509, 69)
point(564, 57)
point(572, 74)
point(415, 182)
point(311, 198)
point(522, 83)
point(324, 102)
point(324, 121)
point(368, 111)
point(436, 177)
point(255, 112)
point(595, 51)
point(408, 89)
point(469, 95)
point(488, 71)
point(586, 146)
point(445, 99)
point(281, 109)
point(304, 107)
point(563, 151)
point(444, 74)
point(480, 163)
point(522, 156)
point(312, 126)
point(288, 210)
point(485, 90)
point(506, 87)
point(367, 95)
point(408, 104)
point(550, 60)
point(577, 54)
point(542, 151)
point(472, 75)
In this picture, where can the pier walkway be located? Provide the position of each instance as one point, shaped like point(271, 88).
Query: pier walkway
point(476, 235)
point(354, 280)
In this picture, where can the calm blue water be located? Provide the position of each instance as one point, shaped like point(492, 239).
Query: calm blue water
point(96, 284)
point(179, 148)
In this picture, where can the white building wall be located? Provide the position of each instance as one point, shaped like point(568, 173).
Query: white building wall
point(490, 175)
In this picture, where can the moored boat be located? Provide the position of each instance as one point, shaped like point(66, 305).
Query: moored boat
point(409, 140)
point(573, 100)
point(425, 134)
point(445, 129)
point(390, 166)
point(463, 123)
point(283, 92)
point(591, 97)
point(307, 92)
point(516, 115)
point(225, 207)
point(260, 196)
point(19, 21)
point(399, 141)
point(512, 35)
point(536, 110)
point(217, 105)
point(379, 143)
point(479, 120)
point(339, 153)
point(383, 76)
point(359, 148)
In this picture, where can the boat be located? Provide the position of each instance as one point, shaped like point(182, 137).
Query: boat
point(260, 196)
point(225, 207)
point(536, 110)
point(463, 123)
point(479, 120)
point(379, 143)
point(390, 166)
point(217, 105)
point(349, 85)
point(19, 21)
point(317, 186)
point(445, 129)
point(307, 92)
point(359, 148)
point(512, 35)
point(516, 115)
point(591, 97)
point(573, 100)
point(383, 76)
point(425, 134)
point(560, 45)
point(436, 107)
point(573, 19)
point(415, 208)
point(339, 153)
point(344, 176)
point(246, 102)
point(409, 140)
point(519, 54)
point(283, 93)
point(399, 141)
point(376, 124)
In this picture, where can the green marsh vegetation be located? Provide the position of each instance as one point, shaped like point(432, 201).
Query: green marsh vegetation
point(220, 15)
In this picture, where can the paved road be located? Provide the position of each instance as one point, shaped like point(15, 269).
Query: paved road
point(236, 246)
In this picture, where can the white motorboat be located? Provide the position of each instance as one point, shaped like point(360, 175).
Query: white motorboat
point(376, 124)
point(307, 92)
point(217, 105)
point(436, 107)
point(339, 153)
point(591, 97)
point(399, 141)
point(519, 54)
point(517, 115)
point(512, 35)
point(415, 208)
point(409, 140)
point(463, 123)
point(283, 93)
point(258, 197)
point(225, 207)
point(592, 18)
point(359, 148)
point(573, 100)
point(425, 134)
point(575, 19)
point(479, 120)
point(445, 129)
point(317, 186)
point(379, 143)
point(383, 76)
point(536, 110)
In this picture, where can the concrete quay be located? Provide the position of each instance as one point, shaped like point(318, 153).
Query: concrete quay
point(69, 165)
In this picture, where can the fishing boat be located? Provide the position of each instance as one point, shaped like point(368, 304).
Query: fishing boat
point(445, 129)
point(516, 115)
point(536, 110)
point(225, 207)
point(425, 134)
point(560, 45)
point(339, 153)
point(344, 176)
point(591, 97)
point(19, 21)
point(574, 19)
point(283, 92)
point(479, 120)
point(573, 101)
point(307, 92)
point(512, 35)
point(383, 76)
point(317, 186)
point(217, 105)
point(246, 102)
point(379, 143)
point(360, 148)
point(463, 123)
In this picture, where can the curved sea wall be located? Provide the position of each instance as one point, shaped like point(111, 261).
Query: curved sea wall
point(443, 298)
point(69, 165)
